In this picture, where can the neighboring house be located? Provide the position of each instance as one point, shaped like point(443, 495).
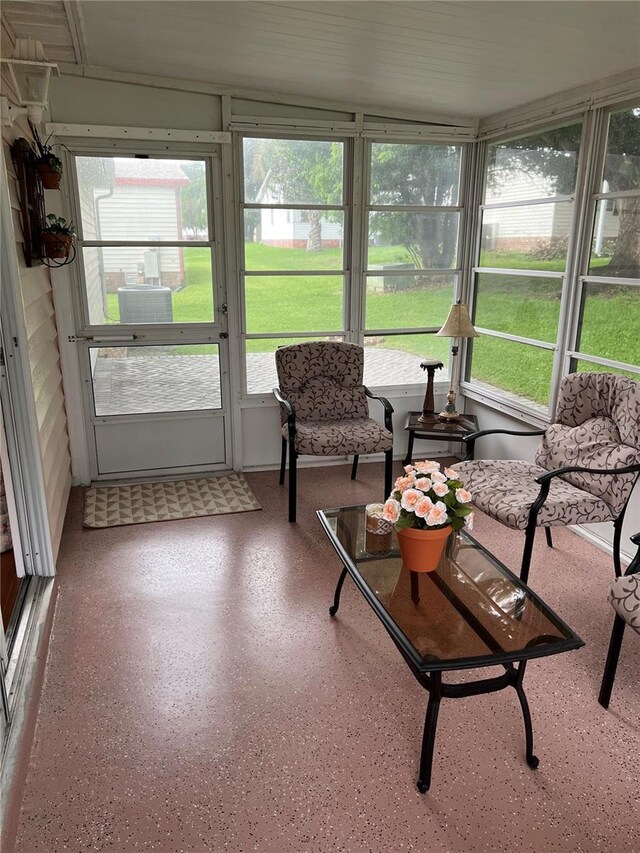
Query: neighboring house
point(525, 227)
point(113, 207)
point(290, 228)
point(155, 200)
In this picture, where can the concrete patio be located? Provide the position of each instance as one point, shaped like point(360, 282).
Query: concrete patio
point(165, 383)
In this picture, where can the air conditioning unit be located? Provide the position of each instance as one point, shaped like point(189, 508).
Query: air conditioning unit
point(145, 303)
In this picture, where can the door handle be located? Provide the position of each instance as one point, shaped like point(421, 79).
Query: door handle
point(99, 339)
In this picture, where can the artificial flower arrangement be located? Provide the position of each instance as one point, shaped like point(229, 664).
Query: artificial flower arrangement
point(427, 498)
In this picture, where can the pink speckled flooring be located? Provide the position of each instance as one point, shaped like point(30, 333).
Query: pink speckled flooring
point(198, 697)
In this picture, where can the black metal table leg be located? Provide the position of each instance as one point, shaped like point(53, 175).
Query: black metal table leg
point(408, 457)
point(532, 760)
point(415, 587)
point(429, 733)
point(336, 598)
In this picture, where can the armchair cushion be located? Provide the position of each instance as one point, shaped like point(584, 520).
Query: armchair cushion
point(506, 488)
point(597, 426)
point(335, 438)
point(594, 444)
point(624, 596)
point(323, 380)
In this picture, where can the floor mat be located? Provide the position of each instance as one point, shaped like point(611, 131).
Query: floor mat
point(138, 503)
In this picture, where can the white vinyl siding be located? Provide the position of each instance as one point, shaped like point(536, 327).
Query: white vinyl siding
point(46, 374)
point(121, 215)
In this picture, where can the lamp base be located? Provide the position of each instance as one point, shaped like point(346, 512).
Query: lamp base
point(428, 418)
point(449, 414)
point(450, 417)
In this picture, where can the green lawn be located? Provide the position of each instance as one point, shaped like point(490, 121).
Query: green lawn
point(527, 306)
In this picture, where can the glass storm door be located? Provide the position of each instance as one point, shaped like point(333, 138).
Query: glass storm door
point(150, 325)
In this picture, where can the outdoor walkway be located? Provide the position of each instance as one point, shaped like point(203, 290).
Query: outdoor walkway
point(166, 383)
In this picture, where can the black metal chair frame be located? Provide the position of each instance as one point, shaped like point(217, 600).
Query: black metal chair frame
point(293, 456)
point(617, 633)
point(544, 481)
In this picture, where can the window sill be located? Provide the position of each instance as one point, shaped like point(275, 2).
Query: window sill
point(511, 407)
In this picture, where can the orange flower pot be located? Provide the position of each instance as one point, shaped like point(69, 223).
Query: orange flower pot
point(421, 550)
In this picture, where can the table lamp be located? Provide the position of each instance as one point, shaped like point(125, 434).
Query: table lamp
point(457, 325)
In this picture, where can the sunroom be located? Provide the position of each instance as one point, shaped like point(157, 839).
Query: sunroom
point(243, 177)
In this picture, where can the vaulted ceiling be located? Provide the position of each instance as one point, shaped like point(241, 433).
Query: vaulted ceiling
point(461, 58)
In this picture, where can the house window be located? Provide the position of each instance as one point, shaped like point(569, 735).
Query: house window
point(412, 257)
point(608, 309)
point(145, 240)
point(526, 221)
point(294, 266)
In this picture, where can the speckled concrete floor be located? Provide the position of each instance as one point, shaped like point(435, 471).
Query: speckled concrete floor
point(199, 698)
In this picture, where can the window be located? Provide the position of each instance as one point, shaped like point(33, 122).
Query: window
point(412, 257)
point(145, 242)
point(294, 254)
point(608, 319)
point(299, 281)
point(525, 227)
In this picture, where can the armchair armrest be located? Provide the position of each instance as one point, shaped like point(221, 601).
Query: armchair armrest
point(288, 407)
point(470, 440)
point(634, 565)
point(545, 481)
point(388, 408)
point(575, 469)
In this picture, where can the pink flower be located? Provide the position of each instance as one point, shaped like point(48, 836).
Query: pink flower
point(463, 496)
point(468, 522)
point(438, 477)
point(423, 483)
point(410, 498)
point(402, 484)
point(391, 510)
point(451, 474)
point(423, 507)
point(408, 469)
point(427, 466)
point(441, 489)
point(437, 515)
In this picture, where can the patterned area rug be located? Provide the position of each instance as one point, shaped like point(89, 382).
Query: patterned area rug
point(112, 506)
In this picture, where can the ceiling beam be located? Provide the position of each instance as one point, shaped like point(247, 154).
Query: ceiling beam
point(75, 21)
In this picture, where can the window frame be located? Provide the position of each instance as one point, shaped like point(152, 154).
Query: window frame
point(244, 273)
point(507, 401)
point(594, 194)
point(356, 207)
point(201, 331)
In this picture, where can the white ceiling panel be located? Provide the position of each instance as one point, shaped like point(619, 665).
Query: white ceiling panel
point(461, 58)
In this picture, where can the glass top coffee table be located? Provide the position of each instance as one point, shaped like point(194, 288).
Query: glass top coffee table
point(470, 612)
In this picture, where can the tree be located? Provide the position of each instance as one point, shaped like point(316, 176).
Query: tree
point(297, 172)
point(417, 175)
point(622, 172)
point(193, 197)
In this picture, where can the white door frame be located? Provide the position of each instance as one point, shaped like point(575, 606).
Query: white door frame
point(78, 337)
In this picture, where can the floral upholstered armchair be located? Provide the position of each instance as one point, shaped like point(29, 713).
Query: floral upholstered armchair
point(324, 410)
point(624, 597)
point(585, 467)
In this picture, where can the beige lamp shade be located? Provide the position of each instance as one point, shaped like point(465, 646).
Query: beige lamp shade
point(458, 323)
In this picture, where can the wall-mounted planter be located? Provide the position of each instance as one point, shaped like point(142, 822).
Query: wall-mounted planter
point(56, 245)
point(50, 177)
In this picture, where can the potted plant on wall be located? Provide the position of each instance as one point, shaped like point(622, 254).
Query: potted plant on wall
point(48, 164)
point(57, 237)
